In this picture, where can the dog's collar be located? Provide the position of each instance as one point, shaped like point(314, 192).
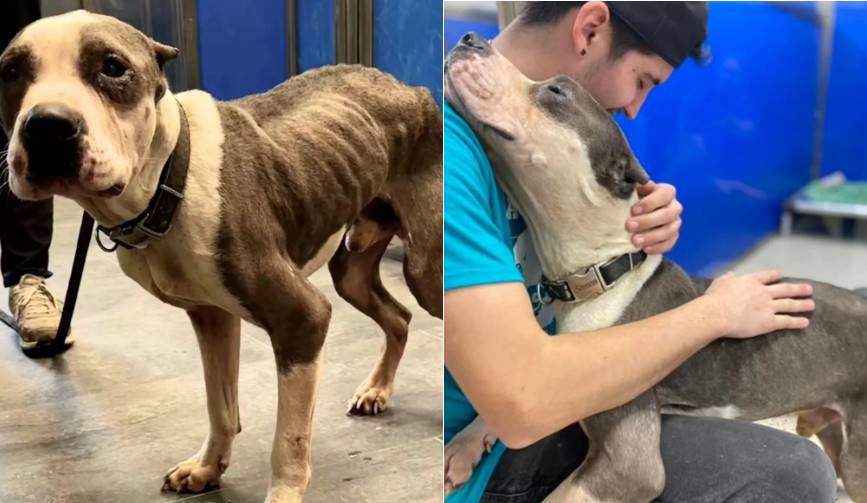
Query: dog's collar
point(591, 281)
point(156, 220)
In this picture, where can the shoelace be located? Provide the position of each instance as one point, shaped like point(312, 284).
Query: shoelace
point(36, 305)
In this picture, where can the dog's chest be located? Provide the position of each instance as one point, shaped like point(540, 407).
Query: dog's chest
point(178, 273)
point(181, 268)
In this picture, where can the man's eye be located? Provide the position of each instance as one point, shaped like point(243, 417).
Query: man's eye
point(641, 84)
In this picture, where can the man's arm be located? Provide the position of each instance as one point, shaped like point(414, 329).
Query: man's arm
point(527, 384)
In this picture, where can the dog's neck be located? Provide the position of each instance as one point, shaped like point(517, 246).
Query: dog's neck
point(143, 184)
point(569, 243)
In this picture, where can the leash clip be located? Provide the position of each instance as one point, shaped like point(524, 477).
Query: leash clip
point(99, 242)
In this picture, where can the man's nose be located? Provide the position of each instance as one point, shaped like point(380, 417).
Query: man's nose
point(633, 108)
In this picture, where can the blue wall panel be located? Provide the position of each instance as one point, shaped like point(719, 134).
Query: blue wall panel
point(408, 42)
point(315, 27)
point(735, 137)
point(844, 147)
point(242, 46)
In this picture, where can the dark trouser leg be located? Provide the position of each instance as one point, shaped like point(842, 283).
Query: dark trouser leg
point(718, 460)
point(529, 474)
point(25, 236)
point(25, 227)
point(707, 460)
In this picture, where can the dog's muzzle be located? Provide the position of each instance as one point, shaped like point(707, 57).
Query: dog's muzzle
point(51, 134)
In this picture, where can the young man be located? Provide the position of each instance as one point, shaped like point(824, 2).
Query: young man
point(532, 389)
point(25, 227)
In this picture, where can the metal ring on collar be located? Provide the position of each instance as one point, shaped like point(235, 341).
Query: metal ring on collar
point(99, 242)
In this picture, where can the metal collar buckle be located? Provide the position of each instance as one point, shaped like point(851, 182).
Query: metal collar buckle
point(580, 286)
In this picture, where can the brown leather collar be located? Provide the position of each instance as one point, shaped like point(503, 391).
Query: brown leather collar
point(156, 220)
point(593, 281)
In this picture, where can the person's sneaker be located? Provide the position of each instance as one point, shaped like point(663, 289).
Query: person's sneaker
point(36, 311)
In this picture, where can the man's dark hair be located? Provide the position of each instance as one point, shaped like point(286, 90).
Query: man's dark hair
point(623, 38)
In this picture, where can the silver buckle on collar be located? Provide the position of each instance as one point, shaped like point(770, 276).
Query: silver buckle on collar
point(147, 231)
point(583, 286)
point(587, 285)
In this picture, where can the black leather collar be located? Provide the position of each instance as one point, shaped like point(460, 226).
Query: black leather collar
point(595, 279)
point(156, 220)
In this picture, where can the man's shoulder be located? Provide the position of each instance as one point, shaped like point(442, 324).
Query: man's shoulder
point(459, 136)
point(465, 161)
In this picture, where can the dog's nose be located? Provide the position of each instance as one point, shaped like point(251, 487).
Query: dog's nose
point(51, 124)
point(474, 41)
point(50, 132)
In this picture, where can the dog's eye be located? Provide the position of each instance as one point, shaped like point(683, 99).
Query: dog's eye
point(556, 90)
point(113, 68)
point(10, 73)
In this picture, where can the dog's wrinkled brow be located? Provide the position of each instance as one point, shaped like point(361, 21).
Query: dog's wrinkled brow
point(96, 48)
point(20, 51)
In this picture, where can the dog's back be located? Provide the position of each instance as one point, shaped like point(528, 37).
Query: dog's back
point(371, 108)
point(753, 378)
point(325, 143)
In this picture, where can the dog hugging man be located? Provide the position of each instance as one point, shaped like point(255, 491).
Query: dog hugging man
point(224, 209)
point(531, 390)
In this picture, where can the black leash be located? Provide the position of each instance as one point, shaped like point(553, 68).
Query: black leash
point(59, 344)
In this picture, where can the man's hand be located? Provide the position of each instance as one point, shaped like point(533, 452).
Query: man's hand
point(655, 222)
point(755, 303)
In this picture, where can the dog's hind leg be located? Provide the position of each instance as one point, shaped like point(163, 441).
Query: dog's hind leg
point(853, 459)
point(219, 336)
point(418, 203)
point(623, 463)
point(356, 279)
point(832, 442)
point(826, 424)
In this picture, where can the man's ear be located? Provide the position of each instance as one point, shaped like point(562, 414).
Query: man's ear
point(164, 54)
point(591, 18)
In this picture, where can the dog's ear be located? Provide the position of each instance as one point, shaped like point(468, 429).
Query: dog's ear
point(164, 54)
point(634, 172)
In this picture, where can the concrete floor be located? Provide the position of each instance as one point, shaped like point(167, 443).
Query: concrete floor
point(834, 261)
point(105, 421)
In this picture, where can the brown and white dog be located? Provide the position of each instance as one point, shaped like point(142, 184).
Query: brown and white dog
point(273, 182)
point(568, 170)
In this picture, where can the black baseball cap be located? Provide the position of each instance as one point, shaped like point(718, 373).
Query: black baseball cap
point(674, 30)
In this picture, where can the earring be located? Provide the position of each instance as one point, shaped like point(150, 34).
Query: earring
point(592, 34)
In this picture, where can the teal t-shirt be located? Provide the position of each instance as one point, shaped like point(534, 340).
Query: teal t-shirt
point(485, 241)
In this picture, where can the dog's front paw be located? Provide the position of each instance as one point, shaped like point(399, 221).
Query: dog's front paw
point(369, 399)
point(284, 494)
point(192, 476)
point(464, 452)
